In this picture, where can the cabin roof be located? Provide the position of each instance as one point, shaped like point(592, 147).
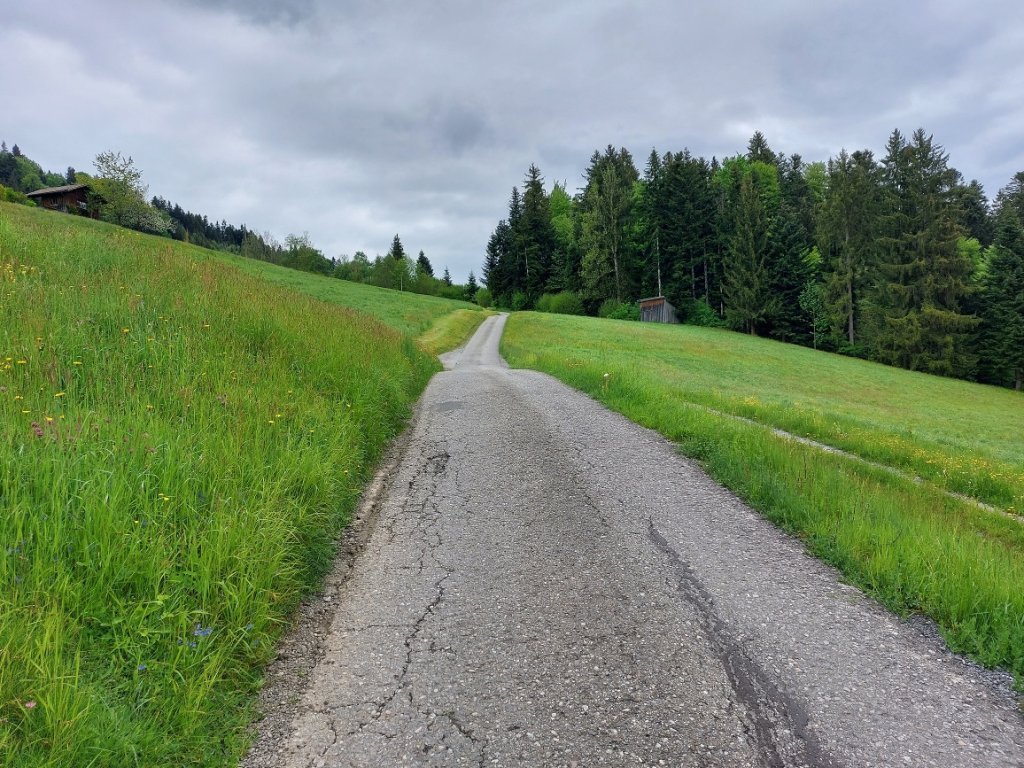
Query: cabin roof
point(57, 190)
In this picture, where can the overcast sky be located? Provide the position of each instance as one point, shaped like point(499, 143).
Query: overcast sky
point(354, 120)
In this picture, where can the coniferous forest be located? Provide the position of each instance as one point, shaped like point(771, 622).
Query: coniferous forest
point(896, 259)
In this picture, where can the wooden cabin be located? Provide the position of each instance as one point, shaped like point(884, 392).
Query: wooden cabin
point(71, 198)
point(656, 309)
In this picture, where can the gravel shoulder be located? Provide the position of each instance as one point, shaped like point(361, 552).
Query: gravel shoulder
point(538, 581)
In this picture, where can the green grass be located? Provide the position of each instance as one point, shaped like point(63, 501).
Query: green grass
point(410, 313)
point(180, 444)
point(912, 545)
point(450, 331)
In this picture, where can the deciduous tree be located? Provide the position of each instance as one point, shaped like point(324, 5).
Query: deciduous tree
point(120, 195)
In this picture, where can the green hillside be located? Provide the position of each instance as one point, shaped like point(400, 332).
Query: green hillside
point(410, 313)
point(180, 443)
point(917, 546)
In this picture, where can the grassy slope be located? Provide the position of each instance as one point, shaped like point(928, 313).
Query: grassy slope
point(179, 444)
point(909, 544)
point(408, 312)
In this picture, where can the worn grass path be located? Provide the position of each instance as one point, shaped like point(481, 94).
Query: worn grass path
point(549, 584)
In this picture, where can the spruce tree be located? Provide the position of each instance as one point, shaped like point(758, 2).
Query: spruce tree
point(397, 251)
point(536, 235)
point(926, 279)
point(1001, 336)
point(746, 288)
point(651, 220)
point(758, 150)
point(517, 269)
point(423, 264)
point(790, 240)
point(972, 211)
point(499, 266)
point(682, 210)
point(846, 237)
point(606, 216)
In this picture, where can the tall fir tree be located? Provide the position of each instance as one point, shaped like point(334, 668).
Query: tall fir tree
point(536, 235)
point(846, 238)
point(972, 211)
point(423, 264)
point(396, 251)
point(790, 240)
point(1001, 336)
point(682, 210)
point(758, 150)
point(749, 302)
point(607, 206)
point(516, 270)
point(926, 278)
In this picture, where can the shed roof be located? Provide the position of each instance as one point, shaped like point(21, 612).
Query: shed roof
point(57, 190)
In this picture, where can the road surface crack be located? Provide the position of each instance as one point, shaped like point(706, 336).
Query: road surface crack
point(770, 713)
point(427, 519)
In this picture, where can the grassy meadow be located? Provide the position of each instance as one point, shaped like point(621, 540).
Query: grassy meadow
point(410, 313)
point(910, 544)
point(180, 444)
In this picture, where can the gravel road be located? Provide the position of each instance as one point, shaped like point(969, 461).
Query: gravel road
point(547, 584)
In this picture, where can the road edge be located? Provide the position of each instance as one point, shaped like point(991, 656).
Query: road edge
point(301, 648)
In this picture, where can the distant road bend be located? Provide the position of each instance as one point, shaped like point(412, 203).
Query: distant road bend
point(548, 584)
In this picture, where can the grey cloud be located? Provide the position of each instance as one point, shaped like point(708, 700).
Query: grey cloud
point(355, 120)
point(261, 11)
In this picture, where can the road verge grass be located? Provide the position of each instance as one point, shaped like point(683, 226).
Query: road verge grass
point(180, 445)
point(910, 545)
point(449, 331)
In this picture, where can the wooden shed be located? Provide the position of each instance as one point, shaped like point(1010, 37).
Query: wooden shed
point(656, 309)
point(67, 199)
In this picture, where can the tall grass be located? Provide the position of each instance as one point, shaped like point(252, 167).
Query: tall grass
point(911, 545)
point(180, 444)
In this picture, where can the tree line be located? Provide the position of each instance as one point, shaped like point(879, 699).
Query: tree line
point(118, 196)
point(898, 260)
point(20, 175)
point(399, 271)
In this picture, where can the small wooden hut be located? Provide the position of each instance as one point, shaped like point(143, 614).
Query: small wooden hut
point(71, 198)
point(656, 309)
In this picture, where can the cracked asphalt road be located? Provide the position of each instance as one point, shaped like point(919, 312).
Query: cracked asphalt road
point(548, 584)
